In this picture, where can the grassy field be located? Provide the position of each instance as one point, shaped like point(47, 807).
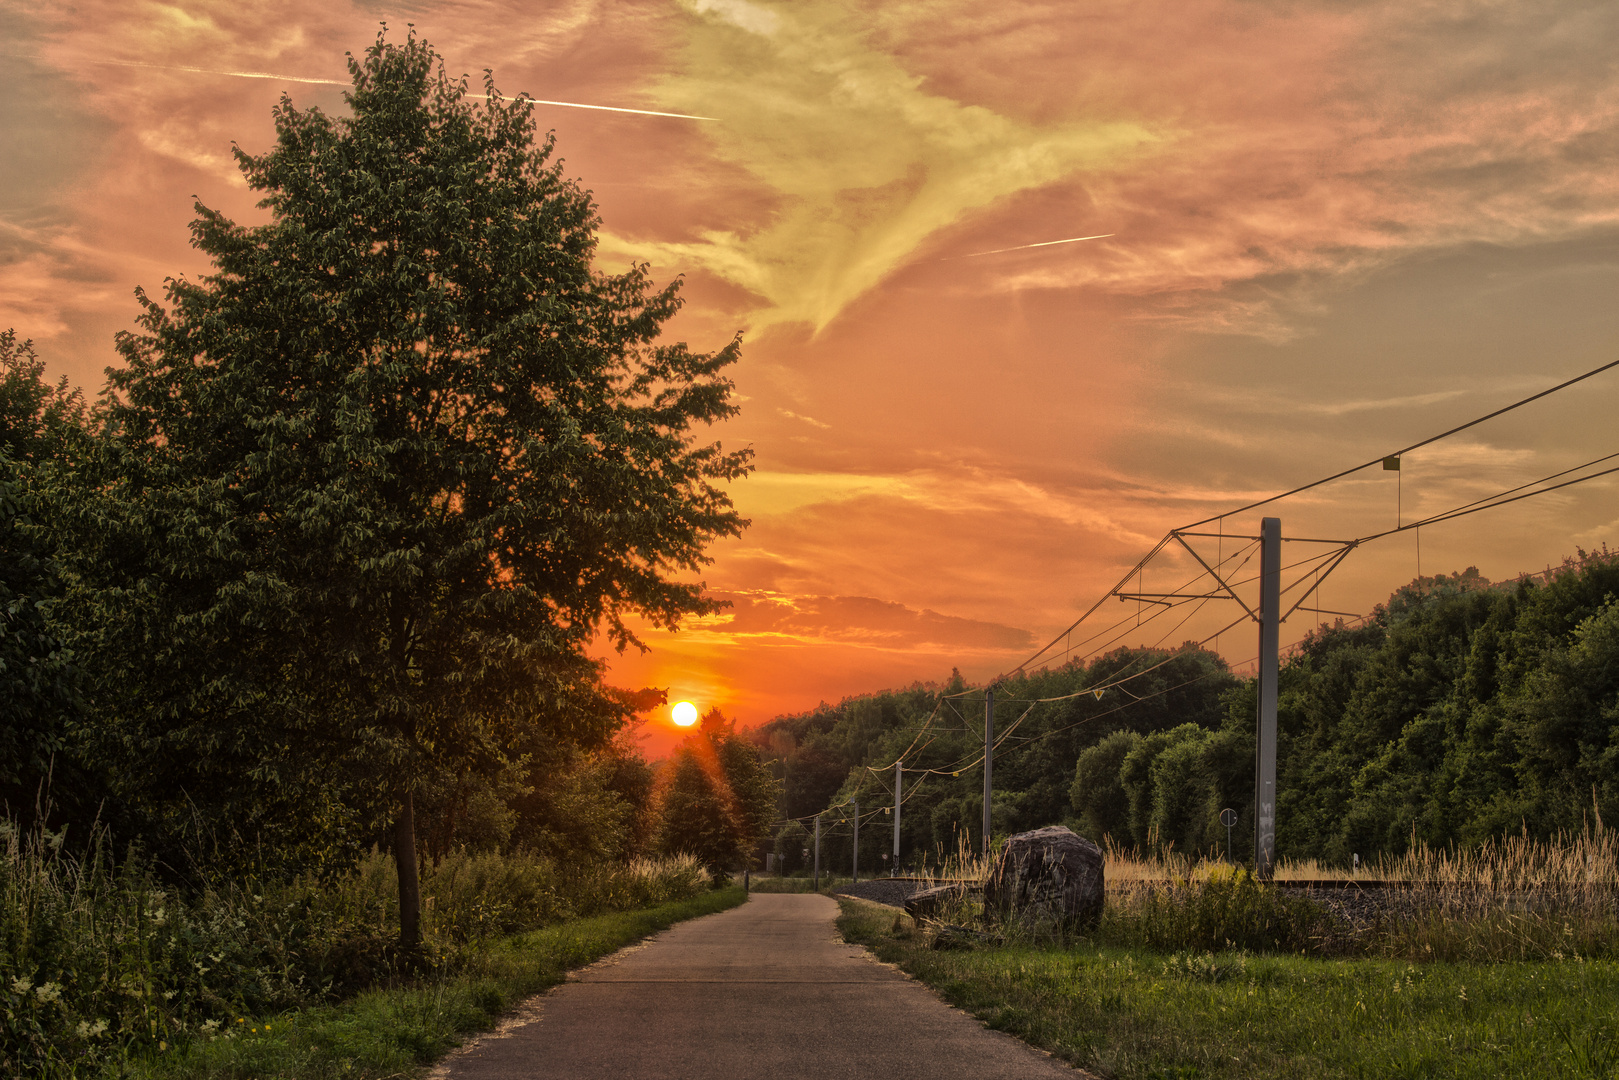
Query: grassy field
point(395, 1032)
point(1136, 1012)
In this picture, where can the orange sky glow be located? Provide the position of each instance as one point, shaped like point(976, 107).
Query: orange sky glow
point(1320, 232)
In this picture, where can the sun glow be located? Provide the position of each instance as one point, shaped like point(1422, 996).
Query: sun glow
point(684, 714)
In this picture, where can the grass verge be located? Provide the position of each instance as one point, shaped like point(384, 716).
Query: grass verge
point(394, 1032)
point(1142, 1013)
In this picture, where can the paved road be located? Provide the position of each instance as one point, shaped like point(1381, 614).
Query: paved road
point(768, 989)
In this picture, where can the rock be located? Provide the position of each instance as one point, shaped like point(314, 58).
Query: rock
point(929, 902)
point(1050, 875)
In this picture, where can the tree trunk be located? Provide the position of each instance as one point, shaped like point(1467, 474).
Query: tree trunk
point(410, 887)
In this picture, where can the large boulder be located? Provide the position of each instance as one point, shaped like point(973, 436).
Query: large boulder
point(1049, 875)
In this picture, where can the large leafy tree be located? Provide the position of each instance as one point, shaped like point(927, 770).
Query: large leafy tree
point(381, 477)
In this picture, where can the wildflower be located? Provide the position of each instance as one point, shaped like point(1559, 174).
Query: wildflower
point(87, 1030)
point(1463, 994)
point(210, 1026)
point(21, 985)
point(48, 992)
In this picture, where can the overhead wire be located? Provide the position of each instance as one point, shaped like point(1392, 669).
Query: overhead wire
point(1246, 551)
point(1474, 507)
point(1414, 446)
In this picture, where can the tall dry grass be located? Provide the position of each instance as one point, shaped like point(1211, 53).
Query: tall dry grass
point(1513, 898)
point(1516, 897)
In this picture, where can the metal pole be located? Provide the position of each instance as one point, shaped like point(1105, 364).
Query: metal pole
point(817, 852)
point(899, 773)
point(989, 758)
point(1270, 610)
point(856, 843)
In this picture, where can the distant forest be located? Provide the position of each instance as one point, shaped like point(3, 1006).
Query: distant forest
point(1459, 710)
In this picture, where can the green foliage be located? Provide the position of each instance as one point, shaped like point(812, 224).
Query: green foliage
point(718, 799)
point(1097, 793)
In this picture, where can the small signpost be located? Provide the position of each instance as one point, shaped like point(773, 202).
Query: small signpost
point(1228, 818)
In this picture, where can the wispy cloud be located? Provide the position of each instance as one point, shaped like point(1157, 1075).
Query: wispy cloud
point(853, 619)
point(810, 420)
point(864, 161)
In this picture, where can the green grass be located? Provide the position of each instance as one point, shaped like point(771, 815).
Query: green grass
point(395, 1032)
point(1143, 1013)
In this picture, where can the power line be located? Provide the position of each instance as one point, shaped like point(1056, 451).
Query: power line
point(1474, 507)
point(1407, 450)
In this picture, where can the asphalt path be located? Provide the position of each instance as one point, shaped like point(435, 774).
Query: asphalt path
point(768, 989)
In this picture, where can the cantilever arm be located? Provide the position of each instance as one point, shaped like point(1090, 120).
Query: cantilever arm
point(1322, 576)
point(1216, 575)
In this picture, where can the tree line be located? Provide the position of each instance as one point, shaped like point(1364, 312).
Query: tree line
point(1459, 710)
point(321, 566)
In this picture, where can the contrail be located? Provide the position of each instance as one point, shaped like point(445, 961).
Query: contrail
point(336, 82)
point(1021, 247)
point(211, 71)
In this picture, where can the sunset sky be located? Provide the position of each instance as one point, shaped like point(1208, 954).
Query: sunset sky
point(1326, 230)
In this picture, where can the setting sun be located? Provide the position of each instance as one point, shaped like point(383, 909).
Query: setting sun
point(684, 714)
